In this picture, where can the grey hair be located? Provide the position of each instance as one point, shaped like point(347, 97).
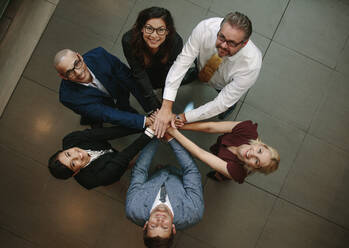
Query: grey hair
point(239, 21)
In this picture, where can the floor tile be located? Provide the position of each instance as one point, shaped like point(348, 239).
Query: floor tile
point(34, 123)
point(332, 119)
point(343, 61)
point(289, 226)
point(233, 213)
point(318, 181)
point(265, 16)
point(186, 241)
point(59, 34)
point(10, 240)
point(119, 231)
point(315, 28)
point(290, 86)
point(23, 191)
point(77, 215)
point(261, 42)
point(104, 18)
point(202, 3)
point(19, 42)
point(284, 138)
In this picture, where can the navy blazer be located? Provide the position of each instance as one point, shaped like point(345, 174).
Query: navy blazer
point(109, 167)
point(184, 189)
point(116, 77)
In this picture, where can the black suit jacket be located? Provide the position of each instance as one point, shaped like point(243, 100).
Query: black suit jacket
point(109, 167)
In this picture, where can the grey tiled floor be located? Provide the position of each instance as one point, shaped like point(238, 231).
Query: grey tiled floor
point(300, 102)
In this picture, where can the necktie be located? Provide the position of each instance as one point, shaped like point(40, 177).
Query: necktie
point(163, 193)
point(210, 68)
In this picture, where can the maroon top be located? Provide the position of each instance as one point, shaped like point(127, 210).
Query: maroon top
point(241, 134)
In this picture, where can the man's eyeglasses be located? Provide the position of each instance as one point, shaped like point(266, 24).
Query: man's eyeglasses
point(160, 31)
point(77, 65)
point(230, 43)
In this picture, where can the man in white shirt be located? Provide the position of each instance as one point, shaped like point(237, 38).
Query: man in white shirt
point(227, 37)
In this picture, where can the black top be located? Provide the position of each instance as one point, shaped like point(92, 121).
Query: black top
point(109, 167)
point(152, 76)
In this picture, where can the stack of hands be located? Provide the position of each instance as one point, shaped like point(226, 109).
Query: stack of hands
point(165, 129)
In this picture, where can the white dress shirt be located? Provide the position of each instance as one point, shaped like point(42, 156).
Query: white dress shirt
point(235, 75)
point(157, 202)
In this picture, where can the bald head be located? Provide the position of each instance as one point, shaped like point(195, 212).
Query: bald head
point(61, 55)
point(67, 61)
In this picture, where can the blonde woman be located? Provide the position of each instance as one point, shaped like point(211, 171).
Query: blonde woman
point(236, 154)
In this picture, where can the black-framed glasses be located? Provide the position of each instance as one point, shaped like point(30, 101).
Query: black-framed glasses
point(77, 65)
point(230, 43)
point(160, 31)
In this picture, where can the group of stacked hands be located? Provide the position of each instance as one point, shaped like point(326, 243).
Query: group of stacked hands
point(97, 86)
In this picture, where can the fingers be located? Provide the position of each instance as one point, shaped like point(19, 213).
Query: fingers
point(162, 131)
point(178, 123)
point(173, 123)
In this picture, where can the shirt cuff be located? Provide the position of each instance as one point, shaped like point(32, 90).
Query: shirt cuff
point(149, 132)
point(145, 118)
point(169, 94)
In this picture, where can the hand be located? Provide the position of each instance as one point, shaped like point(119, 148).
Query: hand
point(163, 119)
point(152, 117)
point(170, 130)
point(179, 121)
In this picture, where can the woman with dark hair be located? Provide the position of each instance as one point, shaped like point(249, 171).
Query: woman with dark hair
point(237, 153)
point(91, 160)
point(151, 47)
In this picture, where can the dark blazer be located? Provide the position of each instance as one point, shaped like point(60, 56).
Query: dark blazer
point(109, 167)
point(154, 75)
point(117, 79)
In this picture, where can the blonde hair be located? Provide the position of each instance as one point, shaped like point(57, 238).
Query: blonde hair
point(274, 160)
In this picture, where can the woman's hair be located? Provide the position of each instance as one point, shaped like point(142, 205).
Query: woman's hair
point(274, 160)
point(140, 48)
point(57, 169)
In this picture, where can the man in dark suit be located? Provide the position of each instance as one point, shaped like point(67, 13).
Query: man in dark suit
point(168, 200)
point(88, 156)
point(97, 86)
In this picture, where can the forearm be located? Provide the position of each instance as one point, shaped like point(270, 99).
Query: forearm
point(211, 126)
point(191, 176)
point(177, 72)
point(127, 154)
point(108, 114)
point(208, 158)
point(108, 133)
point(187, 143)
point(140, 170)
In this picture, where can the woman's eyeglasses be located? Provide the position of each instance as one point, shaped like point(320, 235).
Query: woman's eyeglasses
point(160, 31)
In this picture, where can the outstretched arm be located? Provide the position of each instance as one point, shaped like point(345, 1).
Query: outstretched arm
point(211, 127)
point(208, 158)
point(115, 167)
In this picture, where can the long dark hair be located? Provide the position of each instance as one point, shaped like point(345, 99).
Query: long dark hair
point(140, 47)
